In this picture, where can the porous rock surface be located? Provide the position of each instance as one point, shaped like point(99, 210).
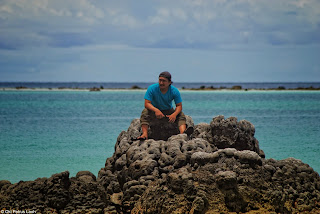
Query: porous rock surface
point(218, 169)
point(57, 194)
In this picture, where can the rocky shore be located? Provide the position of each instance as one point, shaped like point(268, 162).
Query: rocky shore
point(218, 169)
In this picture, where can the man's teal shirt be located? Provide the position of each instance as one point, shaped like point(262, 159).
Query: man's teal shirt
point(162, 101)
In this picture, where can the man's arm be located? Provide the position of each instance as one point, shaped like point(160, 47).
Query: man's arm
point(173, 116)
point(148, 105)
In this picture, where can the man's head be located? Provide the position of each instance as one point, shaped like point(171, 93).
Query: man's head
point(164, 79)
point(165, 74)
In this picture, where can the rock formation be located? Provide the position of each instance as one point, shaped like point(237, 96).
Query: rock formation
point(59, 193)
point(218, 169)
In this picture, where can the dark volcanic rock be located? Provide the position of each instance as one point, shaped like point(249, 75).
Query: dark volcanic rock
point(218, 169)
point(57, 194)
point(229, 185)
point(229, 133)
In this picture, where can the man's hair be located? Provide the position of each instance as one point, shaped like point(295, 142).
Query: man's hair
point(165, 74)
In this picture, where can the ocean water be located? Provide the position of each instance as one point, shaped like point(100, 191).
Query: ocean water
point(46, 132)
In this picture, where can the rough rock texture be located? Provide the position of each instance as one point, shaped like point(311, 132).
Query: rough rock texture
point(237, 181)
point(218, 169)
point(57, 194)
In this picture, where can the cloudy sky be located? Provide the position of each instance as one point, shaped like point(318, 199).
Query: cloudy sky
point(127, 41)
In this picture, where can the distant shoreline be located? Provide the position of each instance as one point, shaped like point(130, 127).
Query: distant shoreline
point(135, 87)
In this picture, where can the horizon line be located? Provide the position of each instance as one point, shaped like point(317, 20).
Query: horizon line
point(19, 81)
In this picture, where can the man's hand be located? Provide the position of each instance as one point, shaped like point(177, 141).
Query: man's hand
point(159, 114)
point(172, 118)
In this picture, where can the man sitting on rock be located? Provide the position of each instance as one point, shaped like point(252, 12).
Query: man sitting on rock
point(158, 104)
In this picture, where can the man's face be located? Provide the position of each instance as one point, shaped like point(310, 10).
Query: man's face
point(164, 82)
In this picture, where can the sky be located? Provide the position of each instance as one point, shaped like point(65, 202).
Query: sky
point(133, 41)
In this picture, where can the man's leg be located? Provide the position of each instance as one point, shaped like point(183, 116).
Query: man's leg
point(182, 124)
point(181, 119)
point(144, 135)
point(182, 128)
point(144, 121)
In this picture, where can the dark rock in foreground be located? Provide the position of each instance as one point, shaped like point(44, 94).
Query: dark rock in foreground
point(59, 193)
point(218, 169)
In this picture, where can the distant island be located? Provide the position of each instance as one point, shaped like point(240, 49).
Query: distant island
point(238, 87)
point(136, 87)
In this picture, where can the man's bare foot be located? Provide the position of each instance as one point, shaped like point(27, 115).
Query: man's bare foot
point(142, 137)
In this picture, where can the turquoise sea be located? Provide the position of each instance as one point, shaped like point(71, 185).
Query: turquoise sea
point(46, 132)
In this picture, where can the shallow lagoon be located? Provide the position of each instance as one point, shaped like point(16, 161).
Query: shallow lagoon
point(45, 132)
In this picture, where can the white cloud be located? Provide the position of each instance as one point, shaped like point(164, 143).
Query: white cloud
point(125, 20)
point(301, 3)
point(200, 23)
point(203, 16)
point(168, 16)
point(162, 16)
point(49, 10)
point(6, 9)
point(82, 34)
point(180, 14)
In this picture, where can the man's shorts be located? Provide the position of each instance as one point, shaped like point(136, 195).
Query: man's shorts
point(148, 115)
